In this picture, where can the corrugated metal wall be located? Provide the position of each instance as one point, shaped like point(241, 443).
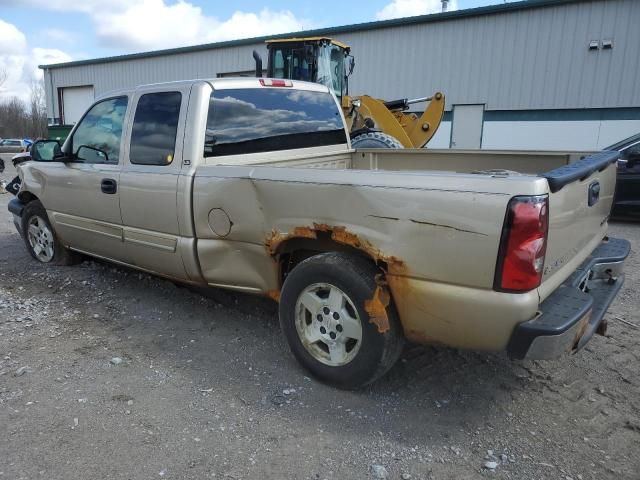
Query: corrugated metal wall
point(529, 59)
point(107, 77)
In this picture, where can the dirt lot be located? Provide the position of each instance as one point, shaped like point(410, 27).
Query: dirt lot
point(208, 389)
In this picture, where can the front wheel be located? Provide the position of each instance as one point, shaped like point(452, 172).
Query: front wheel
point(323, 314)
point(41, 240)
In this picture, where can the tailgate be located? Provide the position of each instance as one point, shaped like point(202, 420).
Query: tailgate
point(580, 199)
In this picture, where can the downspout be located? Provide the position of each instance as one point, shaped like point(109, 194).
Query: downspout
point(48, 72)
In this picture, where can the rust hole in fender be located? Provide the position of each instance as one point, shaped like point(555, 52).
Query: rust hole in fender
point(303, 232)
point(274, 295)
point(377, 308)
point(275, 238)
point(389, 264)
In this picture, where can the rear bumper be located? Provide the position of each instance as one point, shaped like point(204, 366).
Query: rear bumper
point(574, 312)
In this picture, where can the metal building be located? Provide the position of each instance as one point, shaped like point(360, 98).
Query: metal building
point(537, 74)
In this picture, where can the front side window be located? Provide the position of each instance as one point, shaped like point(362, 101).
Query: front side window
point(254, 120)
point(155, 125)
point(101, 128)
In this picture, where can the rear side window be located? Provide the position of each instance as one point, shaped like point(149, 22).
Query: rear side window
point(155, 125)
point(269, 119)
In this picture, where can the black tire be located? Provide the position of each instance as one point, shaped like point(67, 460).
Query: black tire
point(61, 255)
point(355, 276)
point(375, 140)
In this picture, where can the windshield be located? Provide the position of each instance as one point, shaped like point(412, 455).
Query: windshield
point(331, 69)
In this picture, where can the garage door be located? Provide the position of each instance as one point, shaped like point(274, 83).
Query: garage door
point(75, 101)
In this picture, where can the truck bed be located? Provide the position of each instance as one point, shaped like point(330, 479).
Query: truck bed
point(440, 212)
point(459, 161)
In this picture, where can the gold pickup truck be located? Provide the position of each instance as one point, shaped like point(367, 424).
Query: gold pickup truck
point(251, 184)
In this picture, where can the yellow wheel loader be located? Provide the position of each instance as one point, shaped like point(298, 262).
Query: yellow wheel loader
point(373, 123)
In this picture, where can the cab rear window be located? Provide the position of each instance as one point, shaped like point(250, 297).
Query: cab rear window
point(257, 120)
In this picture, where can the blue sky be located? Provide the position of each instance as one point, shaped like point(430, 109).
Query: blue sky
point(33, 32)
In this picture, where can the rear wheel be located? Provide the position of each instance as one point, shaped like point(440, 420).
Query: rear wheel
point(375, 140)
point(323, 316)
point(40, 239)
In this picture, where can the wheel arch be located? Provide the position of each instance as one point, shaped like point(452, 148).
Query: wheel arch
point(301, 243)
point(27, 197)
point(294, 250)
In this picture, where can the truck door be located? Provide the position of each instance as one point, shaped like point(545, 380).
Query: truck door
point(148, 184)
point(81, 195)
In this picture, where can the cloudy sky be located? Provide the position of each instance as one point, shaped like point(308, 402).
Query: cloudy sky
point(35, 32)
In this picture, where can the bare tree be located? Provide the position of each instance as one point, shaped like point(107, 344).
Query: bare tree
point(38, 109)
point(3, 76)
point(19, 120)
point(13, 118)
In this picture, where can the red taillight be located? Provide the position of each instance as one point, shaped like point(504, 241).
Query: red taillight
point(523, 244)
point(275, 82)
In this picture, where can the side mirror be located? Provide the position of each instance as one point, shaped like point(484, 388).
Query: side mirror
point(89, 154)
point(352, 64)
point(632, 156)
point(46, 150)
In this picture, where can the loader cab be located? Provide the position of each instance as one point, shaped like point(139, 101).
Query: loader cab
point(318, 60)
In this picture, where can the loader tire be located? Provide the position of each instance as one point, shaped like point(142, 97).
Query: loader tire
point(375, 140)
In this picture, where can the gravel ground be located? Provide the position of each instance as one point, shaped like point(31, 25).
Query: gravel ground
point(206, 388)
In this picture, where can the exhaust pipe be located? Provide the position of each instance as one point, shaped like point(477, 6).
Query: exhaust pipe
point(258, 59)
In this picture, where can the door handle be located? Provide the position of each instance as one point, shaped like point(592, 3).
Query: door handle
point(594, 193)
point(109, 186)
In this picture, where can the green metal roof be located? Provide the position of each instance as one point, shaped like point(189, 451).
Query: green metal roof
point(331, 31)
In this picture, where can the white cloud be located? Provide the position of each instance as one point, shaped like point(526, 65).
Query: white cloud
point(410, 8)
point(135, 25)
point(12, 40)
point(183, 24)
point(130, 25)
point(86, 6)
point(58, 36)
point(265, 22)
point(20, 62)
